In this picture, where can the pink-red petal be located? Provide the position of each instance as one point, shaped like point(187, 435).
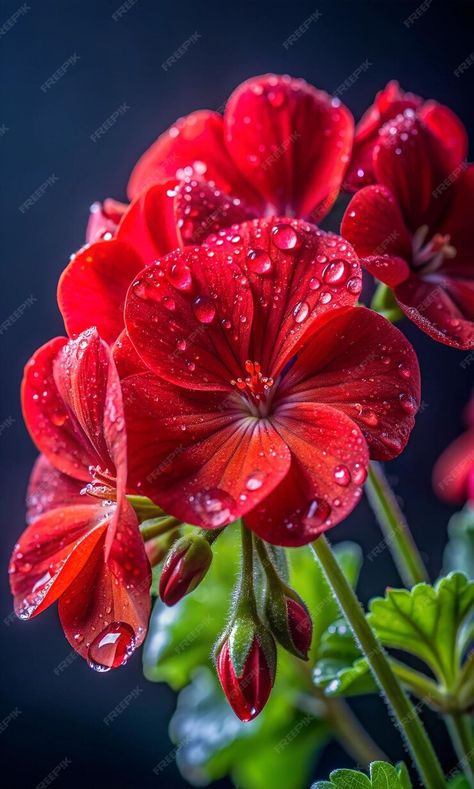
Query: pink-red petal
point(454, 468)
point(199, 455)
point(374, 225)
point(297, 273)
point(149, 225)
point(92, 288)
point(189, 317)
point(329, 458)
point(363, 366)
point(290, 141)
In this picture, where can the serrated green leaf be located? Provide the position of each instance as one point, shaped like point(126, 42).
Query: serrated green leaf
point(427, 622)
point(459, 552)
point(382, 776)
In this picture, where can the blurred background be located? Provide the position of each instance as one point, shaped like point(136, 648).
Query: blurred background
point(115, 53)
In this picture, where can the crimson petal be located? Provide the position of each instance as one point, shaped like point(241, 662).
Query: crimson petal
point(189, 317)
point(362, 365)
point(290, 141)
point(198, 454)
point(202, 209)
point(49, 489)
point(329, 458)
point(374, 225)
point(149, 225)
point(92, 288)
point(297, 273)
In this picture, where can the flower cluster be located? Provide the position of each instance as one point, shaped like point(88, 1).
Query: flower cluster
point(218, 364)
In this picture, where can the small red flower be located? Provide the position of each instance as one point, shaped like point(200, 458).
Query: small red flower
point(186, 565)
point(83, 546)
point(281, 147)
point(267, 389)
point(453, 474)
point(247, 683)
point(414, 228)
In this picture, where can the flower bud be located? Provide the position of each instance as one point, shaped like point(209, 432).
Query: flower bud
point(246, 664)
point(186, 565)
point(290, 621)
point(158, 547)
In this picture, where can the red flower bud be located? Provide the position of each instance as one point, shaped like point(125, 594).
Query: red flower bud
point(247, 691)
point(158, 547)
point(186, 565)
point(300, 625)
point(290, 621)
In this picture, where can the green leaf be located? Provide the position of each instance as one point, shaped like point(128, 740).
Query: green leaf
point(459, 552)
point(427, 622)
point(459, 782)
point(382, 776)
point(341, 670)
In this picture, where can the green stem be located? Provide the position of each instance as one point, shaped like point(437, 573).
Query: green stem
point(405, 713)
point(460, 731)
point(420, 685)
point(246, 594)
point(394, 527)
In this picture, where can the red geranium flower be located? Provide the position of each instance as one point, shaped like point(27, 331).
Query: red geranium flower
point(268, 390)
point(281, 147)
point(83, 545)
point(414, 228)
point(453, 474)
point(388, 103)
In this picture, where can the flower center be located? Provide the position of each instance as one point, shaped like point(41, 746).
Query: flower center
point(429, 256)
point(102, 485)
point(255, 389)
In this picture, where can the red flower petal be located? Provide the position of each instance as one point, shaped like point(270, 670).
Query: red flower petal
point(149, 225)
point(103, 219)
point(297, 273)
point(374, 225)
point(199, 454)
point(443, 308)
point(189, 318)
point(193, 147)
point(127, 360)
point(92, 288)
point(50, 426)
point(410, 161)
point(362, 365)
point(328, 456)
point(290, 141)
point(454, 468)
point(458, 224)
point(51, 553)
point(449, 131)
point(49, 489)
point(88, 383)
point(105, 611)
point(202, 209)
point(388, 103)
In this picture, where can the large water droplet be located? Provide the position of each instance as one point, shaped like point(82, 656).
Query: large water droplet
point(259, 261)
point(284, 237)
point(301, 311)
point(317, 513)
point(204, 309)
point(180, 276)
point(214, 507)
point(359, 473)
point(255, 480)
point(342, 476)
point(112, 647)
point(336, 272)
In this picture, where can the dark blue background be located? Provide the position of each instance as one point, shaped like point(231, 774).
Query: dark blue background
point(49, 133)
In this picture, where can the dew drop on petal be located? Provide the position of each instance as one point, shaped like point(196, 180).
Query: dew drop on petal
point(180, 276)
point(301, 311)
point(336, 272)
point(284, 237)
point(204, 309)
point(255, 480)
point(342, 476)
point(409, 404)
point(354, 285)
point(214, 507)
point(259, 261)
point(112, 647)
point(317, 513)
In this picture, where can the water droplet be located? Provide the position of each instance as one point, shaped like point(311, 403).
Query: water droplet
point(301, 311)
point(204, 309)
point(284, 237)
point(255, 480)
point(317, 513)
point(59, 418)
point(342, 476)
point(369, 417)
point(180, 276)
point(359, 473)
point(354, 285)
point(325, 297)
point(259, 261)
point(112, 647)
point(409, 404)
point(314, 283)
point(404, 371)
point(214, 507)
point(336, 272)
